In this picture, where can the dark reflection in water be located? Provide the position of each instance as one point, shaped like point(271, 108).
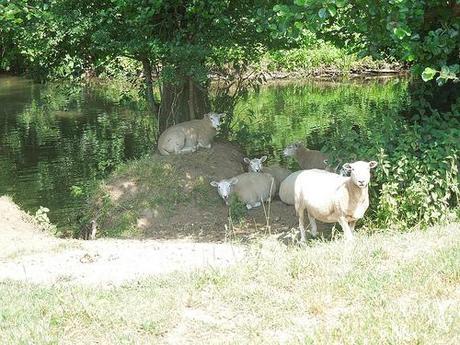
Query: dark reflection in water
point(57, 136)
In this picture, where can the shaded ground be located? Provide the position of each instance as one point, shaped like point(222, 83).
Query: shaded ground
point(169, 197)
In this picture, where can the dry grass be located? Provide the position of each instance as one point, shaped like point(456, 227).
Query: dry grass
point(383, 289)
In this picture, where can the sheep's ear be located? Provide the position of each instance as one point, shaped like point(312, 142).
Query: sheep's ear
point(263, 158)
point(214, 183)
point(347, 167)
point(233, 180)
point(372, 164)
point(246, 160)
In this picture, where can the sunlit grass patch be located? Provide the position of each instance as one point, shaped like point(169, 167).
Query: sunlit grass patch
point(398, 288)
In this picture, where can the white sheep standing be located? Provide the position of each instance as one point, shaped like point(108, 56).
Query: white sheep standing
point(307, 159)
point(332, 198)
point(256, 165)
point(188, 136)
point(251, 188)
point(286, 189)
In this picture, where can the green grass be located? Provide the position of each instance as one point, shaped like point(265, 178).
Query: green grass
point(318, 57)
point(151, 184)
point(383, 289)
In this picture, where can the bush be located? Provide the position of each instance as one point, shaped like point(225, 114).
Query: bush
point(311, 57)
point(417, 182)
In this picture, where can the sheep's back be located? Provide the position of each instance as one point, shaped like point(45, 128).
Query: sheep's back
point(251, 187)
point(279, 173)
point(195, 128)
point(312, 159)
point(317, 189)
point(286, 190)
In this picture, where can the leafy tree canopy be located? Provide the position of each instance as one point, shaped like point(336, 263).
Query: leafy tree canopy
point(425, 34)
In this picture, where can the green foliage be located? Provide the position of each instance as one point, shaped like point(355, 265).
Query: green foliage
point(424, 33)
point(236, 209)
point(445, 74)
point(319, 57)
point(416, 182)
point(41, 217)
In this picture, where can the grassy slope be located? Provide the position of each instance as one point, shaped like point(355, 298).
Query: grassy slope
point(400, 288)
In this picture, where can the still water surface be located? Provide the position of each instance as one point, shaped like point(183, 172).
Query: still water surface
point(57, 136)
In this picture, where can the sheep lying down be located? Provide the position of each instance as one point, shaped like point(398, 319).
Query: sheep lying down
point(279, 173)
point(331, 198)
point(251, 188)
point(307, 159)
point(188, 136)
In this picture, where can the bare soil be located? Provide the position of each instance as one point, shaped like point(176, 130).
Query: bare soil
point(197, 213)
point(28, 254)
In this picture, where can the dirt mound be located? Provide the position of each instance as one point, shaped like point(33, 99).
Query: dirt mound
point(168, 197)
point(19, 232)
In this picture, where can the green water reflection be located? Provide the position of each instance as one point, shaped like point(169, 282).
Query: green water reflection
point(277, 115)
point(58, 136)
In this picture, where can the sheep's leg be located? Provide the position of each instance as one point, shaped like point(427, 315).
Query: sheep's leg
point(352, 225)
point(187, 149)
point(301, 213)
point(314, 228)
point(205, 146)
point(256, 204)
point(346, 228)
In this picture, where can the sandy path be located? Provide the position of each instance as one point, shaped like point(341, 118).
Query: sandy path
point(112, 262)
point(28, 254)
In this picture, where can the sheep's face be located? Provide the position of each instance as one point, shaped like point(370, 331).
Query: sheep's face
point(224, 188)
point(291, 149)
point(255, 164)
point(216, 119)
point(360, 172)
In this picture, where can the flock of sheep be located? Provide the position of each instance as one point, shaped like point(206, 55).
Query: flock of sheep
point(324, 195)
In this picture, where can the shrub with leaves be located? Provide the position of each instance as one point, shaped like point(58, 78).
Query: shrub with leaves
point(417, 181)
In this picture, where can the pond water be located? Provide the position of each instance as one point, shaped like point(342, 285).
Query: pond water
point(57, 138)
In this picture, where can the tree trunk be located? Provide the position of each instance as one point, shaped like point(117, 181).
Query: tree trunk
point(147, 70)
point(182, 101)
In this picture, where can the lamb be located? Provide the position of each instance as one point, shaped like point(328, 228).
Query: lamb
point(331, 198)
point(251, 188)
point(307, 159)
point(190, 135)
point(279, 173)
